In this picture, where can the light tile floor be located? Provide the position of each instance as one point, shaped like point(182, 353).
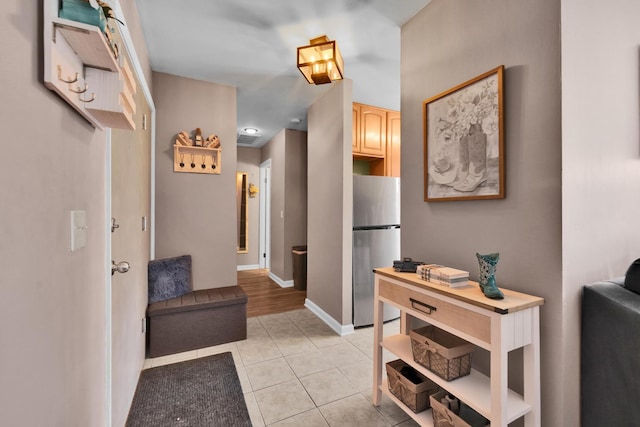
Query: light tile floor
point(296, 371)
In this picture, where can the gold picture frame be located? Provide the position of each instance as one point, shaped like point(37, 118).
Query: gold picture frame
point(464, 141)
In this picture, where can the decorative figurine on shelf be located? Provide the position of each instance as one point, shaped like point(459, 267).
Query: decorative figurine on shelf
point(212, 141)
point(184, 139)
point(198, 139)
point(106, 9)
point(487, 280)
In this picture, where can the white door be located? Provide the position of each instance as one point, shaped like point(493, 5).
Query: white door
point(130, 243)
point(265, 215)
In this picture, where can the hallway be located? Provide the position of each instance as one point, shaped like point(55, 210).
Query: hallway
point(295, 371)
point(265, 296)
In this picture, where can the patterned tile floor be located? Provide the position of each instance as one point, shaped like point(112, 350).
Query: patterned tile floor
point(296, 371)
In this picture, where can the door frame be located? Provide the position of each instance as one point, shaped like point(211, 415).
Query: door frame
point(264, 254)
point(144, 86)
point(107, 285)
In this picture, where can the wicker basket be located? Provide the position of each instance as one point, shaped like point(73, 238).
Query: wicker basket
point(444, 354)
point(444, 417)
point(415, 396)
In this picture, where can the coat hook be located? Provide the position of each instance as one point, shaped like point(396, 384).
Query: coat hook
point(75, 79)
point(86, 101)
point(78, 90)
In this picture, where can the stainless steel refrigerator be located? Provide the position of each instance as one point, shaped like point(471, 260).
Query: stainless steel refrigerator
point(376, 240)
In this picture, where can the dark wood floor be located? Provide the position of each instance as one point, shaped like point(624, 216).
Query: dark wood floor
point(265, 296)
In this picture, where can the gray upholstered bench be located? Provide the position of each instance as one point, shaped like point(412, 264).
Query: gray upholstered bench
point(198, 319)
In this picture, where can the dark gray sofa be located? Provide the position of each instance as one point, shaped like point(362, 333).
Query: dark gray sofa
point(610, 355)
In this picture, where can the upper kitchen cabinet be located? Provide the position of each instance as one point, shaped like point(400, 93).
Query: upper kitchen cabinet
point(376, 139)
point(355, 136)
point(373, 131)
point(393, 144)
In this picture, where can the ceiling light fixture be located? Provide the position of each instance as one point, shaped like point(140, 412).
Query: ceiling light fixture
point(251, 131)
point(321, 61)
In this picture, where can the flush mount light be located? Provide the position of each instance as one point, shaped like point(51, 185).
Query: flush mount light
point(321, 61)
point(251, 131)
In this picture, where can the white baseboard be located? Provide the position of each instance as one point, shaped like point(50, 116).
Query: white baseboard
point(249, 267)
point(341, 330)
point(280, 282)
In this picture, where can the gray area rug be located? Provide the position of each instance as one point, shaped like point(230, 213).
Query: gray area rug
point(199, 392)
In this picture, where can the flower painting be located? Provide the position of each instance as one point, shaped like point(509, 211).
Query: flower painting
point(463, 142)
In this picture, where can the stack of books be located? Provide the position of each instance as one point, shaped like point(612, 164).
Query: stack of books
point(442, 275)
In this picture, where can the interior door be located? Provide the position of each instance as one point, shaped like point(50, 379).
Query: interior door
point(130, 243)
point(265, 215)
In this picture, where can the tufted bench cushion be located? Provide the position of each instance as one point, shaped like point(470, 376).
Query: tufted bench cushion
point(201, 318)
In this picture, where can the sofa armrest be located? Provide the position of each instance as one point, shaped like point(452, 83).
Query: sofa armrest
point(610, 346)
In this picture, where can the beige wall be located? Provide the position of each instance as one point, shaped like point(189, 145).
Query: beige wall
point(288, 154)
point(450, 42)
point(52, 361)
point(249, 162)
point(600, 160)
point(195, 213)
point(330, 206)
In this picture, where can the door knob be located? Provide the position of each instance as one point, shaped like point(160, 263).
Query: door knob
point(121, 267)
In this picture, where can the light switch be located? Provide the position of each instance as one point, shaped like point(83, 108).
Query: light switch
point(78, 230)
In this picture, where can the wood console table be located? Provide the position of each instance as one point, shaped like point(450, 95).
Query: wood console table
point(498, 326)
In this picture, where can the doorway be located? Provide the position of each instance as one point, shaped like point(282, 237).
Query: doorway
point(265, 215)
point(129, 239)
point(130, 243)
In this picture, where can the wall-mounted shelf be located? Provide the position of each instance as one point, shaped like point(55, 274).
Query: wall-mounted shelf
point(197, 159)
point(114, 108)
point(88, 43)
point(81, 66)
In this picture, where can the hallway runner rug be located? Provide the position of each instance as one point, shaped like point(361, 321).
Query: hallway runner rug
point(198, 392)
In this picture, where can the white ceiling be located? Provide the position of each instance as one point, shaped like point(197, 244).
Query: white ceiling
point(251, 44)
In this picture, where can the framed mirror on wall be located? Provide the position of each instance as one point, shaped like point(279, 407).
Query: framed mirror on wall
point(242, 195)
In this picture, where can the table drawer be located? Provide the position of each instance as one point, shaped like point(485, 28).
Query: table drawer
point(470, 322)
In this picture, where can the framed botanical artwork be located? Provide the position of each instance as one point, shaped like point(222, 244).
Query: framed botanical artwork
point(464, 141)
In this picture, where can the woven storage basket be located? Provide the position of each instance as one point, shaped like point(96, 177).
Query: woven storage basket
point(444, 417)
point(415, 396)
point(444, 354)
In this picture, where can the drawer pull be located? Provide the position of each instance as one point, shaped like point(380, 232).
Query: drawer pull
point(427, 308)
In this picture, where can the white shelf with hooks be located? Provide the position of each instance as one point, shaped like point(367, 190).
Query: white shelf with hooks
point(87, 71)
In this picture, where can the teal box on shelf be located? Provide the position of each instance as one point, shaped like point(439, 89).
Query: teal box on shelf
point(81, 11)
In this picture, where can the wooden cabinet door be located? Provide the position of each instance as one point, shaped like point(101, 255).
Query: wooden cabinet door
point(393, 143)
point(355, 138)
point(373, 131)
